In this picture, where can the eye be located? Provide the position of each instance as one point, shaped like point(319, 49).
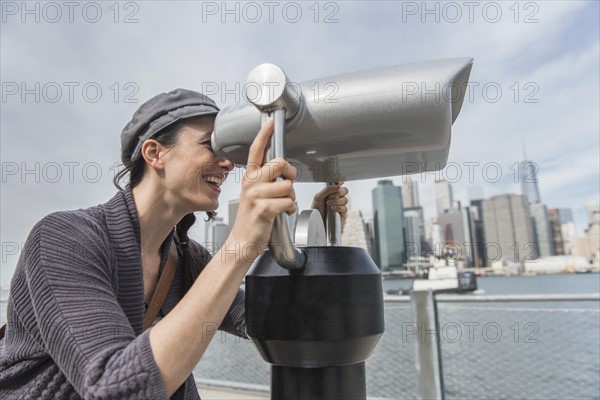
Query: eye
point(206, 143)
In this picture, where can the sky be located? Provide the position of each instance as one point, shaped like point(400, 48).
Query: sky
point(73, 74)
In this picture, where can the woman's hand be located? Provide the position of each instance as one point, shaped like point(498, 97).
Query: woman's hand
point(262, 197)
point(332, 198)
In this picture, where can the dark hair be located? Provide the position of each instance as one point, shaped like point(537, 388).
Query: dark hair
point(192, 263)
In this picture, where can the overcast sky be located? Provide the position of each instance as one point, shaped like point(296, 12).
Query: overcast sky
point(72, 76)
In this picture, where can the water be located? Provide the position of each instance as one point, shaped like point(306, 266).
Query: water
point(489, 351)
point(541, 284)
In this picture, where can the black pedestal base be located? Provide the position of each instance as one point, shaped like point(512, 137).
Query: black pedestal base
point(331, 383)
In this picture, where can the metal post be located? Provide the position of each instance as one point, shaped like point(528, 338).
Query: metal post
point(277, 100)
point(333, 225)
point(317, 322)
point(428, 361)
point(281, 243)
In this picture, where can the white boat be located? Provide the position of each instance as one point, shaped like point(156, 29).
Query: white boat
point(446, 278)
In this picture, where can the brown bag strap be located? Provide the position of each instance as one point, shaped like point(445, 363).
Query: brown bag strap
point(2, 330)
point(162, 288)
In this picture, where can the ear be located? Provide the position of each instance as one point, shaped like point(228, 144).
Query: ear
point(153, 152)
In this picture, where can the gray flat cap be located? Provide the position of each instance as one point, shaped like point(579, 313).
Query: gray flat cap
point(158, 113)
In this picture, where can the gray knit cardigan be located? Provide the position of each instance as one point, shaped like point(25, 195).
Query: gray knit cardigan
point(76, 309)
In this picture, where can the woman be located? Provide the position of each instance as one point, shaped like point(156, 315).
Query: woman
point(77, 302)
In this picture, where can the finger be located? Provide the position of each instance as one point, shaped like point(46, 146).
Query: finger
point(322, 194)
point(289, 172)
point(325, 192)
point(277, 167)
point(274, 207)
point(340, 192)
point(279, 189)
point(256, 154)
point(340, 201)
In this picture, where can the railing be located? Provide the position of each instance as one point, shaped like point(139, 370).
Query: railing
point(443, 346)
point(550, 351)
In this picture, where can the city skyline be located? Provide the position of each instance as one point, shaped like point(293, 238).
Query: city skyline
point(506, 228)
point(427, 182)
point(551, 230)
point(580, 213)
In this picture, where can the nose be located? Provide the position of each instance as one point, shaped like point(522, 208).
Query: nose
point(225, 164)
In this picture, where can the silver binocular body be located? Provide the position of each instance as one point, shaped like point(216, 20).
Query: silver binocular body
point(369, 124)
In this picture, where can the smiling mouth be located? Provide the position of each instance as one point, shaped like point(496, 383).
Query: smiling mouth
point(214, 181)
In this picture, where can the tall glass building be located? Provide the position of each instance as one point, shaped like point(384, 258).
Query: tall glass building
point(389, 225)
point(215, 234)
point(508, 230)
point(415, 231)
point(443, 195)
point(554, 218)
point(542, 229)
point(568, 230)
point(455, 232)
point(529, 181)
point(410, 193)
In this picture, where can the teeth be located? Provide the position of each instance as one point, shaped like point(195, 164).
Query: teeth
point(214, 179)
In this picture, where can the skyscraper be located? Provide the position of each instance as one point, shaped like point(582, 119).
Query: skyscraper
point(432, 235)
point(542, 229)
point(568, 230)
point(590, 207)
point(592, 233)
point(556, 230)
point(507, 229)
point(410, 193)
point(355, 233)
point(455, 234)
point(589, 245)
point(443, 195)
point(477, 232)
point(415, 232)
point(389, 225)
point(529, 181)
point(215, 235)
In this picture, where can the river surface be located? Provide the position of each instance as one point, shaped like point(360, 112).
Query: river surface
point(527, 350)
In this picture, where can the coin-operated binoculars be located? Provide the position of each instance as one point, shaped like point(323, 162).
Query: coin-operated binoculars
point(314, 309)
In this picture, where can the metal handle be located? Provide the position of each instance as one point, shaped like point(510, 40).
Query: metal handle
point(276, 98)
point(333, 224)
point(282, 245)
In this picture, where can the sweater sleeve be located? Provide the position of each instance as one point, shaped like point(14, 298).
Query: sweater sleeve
point(234, 321)
point(80, 321)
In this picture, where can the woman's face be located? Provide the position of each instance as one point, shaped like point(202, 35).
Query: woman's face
point(193, 174)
